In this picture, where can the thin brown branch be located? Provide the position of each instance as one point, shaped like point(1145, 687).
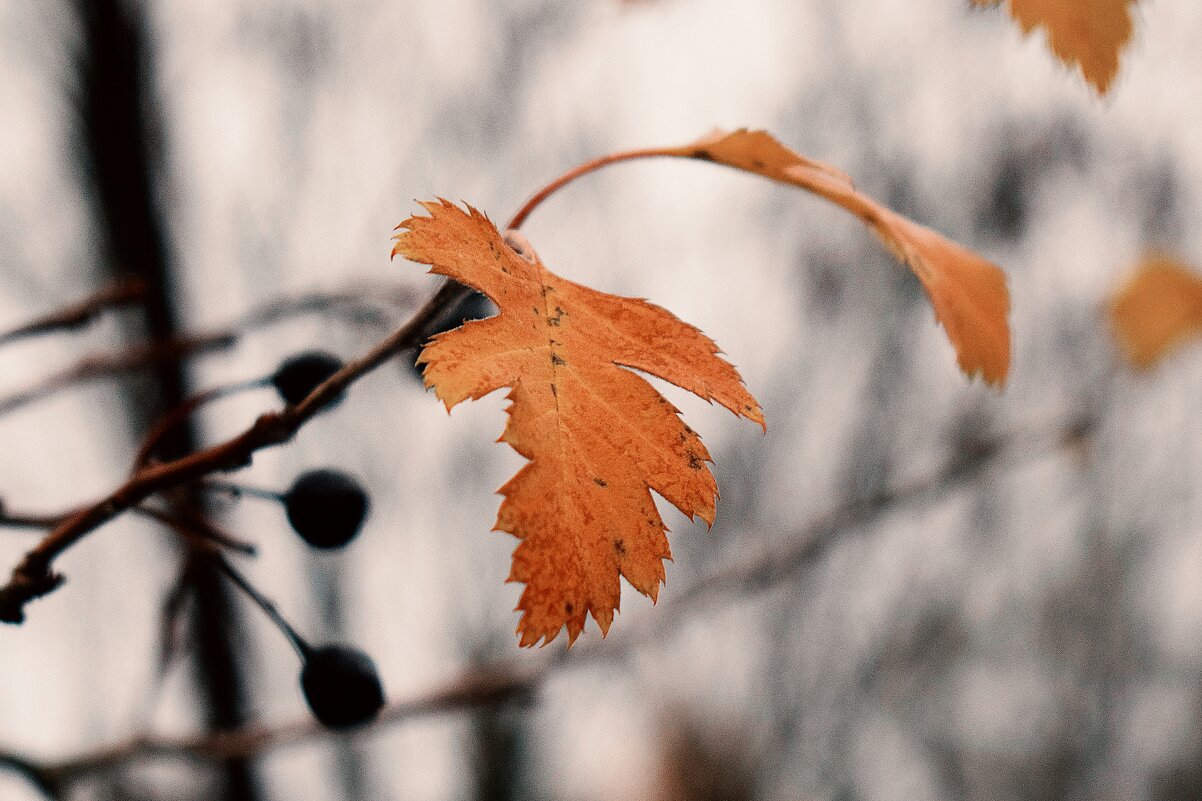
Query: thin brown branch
point(10, 519)
point(125, 292)
point(193, 528)
point(34, 577)
point(360, 303)
point(180, 413)
point(506, 679)
point(197, 527)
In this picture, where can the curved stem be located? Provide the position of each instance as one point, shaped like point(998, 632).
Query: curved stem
point(303, 649)
point(585, 169)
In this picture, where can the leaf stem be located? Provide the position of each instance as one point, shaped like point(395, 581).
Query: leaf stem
point(582, 170)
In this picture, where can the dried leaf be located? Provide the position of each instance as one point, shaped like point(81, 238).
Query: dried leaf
point(598, 436)
point(969, 293)
point(1089, 33)
point(1158, 310)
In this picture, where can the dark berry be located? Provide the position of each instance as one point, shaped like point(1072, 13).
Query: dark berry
point(301, 374)
point(341, 686)
point(326, 507)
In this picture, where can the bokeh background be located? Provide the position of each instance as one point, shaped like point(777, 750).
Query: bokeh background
point(1026, 628)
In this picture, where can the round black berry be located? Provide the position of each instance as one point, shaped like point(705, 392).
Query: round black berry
point(299, 375)
point(326, 507)
point(341, 686)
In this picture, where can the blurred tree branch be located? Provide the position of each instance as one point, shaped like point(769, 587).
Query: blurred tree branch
point(43, 781)
point(125, 291)
point(359, 303)
point(507, 679)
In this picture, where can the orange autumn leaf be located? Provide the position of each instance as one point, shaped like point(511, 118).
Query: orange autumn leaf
point(1157, 310)
point(598, 436)
point(969, 293)
point(1089, 33)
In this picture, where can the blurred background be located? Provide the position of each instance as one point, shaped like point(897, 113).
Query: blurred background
point(917, 588)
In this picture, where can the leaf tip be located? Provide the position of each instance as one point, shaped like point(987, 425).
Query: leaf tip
point(1090, 36)
point(755, 414)
point(993, 373)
